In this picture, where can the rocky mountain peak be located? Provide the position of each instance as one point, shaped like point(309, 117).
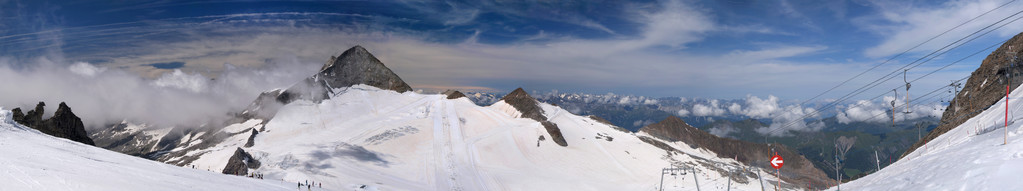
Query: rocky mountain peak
point(357, 66)
point(453, 94)
point(354, 66)
point(527, 105)
point(530, 108)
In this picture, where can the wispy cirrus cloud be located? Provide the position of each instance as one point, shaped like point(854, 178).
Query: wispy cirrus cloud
point(903, 25)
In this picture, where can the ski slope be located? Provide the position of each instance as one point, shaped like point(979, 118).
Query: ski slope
point(35, 161)
point(372, 139)
point(971, 156)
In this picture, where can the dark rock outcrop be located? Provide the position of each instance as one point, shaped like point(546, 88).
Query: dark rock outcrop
point(252, 139)
point(530, 108)
point(453, 94)
point(984, 88)
point(354, 66)
point(674, 129)
point(526, 104)
point(555, 133)
point(63, 124)
point(240, 163)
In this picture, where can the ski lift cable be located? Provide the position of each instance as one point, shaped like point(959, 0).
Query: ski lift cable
point(860, 91)
point(915, 101)
point(879, 81)
point(989, 31)
point(874, 98)
point(914, 80)
point(928, 57)
point(918, 63)
point(906, 51)
point(833, 104)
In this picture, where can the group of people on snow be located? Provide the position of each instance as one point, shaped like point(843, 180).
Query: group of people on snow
point(308, 185)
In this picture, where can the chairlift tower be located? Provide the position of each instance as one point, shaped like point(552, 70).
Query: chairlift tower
point(838, 176)
point(893, 105)
point(955, 95)
point(681, 170)
point(908, 110)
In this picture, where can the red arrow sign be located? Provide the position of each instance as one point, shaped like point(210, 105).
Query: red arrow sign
point(777, 162)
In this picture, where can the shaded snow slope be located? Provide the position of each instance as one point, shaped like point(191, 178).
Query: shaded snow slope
point(969, 157)
point(35, 161)
point(364, 137)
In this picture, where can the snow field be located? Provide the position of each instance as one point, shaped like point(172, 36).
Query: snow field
point(36, 161)
point(407, 141)
point(962, 158)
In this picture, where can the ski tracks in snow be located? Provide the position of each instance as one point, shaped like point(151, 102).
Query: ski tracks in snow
point(455, 169)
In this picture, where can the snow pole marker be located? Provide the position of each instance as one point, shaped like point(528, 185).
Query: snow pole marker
point(778, 172)
point(1008, 82)
point(877, 160)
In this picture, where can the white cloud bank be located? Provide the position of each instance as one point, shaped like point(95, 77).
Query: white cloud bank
point(871, 112)
point(101, 96)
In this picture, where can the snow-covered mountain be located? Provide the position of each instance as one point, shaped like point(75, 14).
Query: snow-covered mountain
point(378, 137)
point(36, 161)
point(408, 141)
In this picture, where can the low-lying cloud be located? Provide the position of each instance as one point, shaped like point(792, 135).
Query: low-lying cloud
point(712, 109)
point(101, 96)
point(871, 112)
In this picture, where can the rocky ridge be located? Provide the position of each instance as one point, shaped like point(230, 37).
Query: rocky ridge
point(63, 124)
point(240, 163)
point(530, 108)
point(354, 66)
point(674, 129)
point(985, 87)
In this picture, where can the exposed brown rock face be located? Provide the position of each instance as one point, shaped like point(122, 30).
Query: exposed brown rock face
point(978, 95)
point(355, 66)
point(454, 94)
point(252, 139)
point(526, 104)
point(63, 124)
point(798, 168)
point(530, 108)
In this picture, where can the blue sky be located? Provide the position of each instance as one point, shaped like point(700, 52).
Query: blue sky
point(711, 49)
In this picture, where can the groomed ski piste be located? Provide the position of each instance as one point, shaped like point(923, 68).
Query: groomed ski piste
point(364, 138)
point(971, 156)
point(32, 160)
